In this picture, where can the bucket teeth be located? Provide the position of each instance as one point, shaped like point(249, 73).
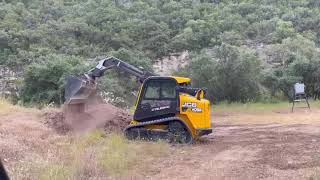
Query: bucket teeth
point(78, 89)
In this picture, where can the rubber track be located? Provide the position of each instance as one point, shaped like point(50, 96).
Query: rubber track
point(157, 121)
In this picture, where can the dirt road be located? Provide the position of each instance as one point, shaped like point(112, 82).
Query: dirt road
point(271, 151)
point(269, 144)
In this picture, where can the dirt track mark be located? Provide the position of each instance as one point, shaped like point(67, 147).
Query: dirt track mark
point(280, 146)
point(270, 151)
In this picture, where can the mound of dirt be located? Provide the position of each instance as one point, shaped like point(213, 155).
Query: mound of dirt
point(121, 120)
point(100, 115)
point(54, 118)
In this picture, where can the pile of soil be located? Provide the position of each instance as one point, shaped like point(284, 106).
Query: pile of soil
point(121, 120)
point(100, 115)
point(54, 118)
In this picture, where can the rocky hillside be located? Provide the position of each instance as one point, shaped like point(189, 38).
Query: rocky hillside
point(48, 39)
point(173, 62)
point(8, 84)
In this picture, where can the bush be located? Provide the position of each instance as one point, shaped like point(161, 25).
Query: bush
point(141, 31)
point(279, 80)
point(283, 78)
point(44, 79)
point(230, 73)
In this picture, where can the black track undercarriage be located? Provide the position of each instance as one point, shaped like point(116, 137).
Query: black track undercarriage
point(176, 131)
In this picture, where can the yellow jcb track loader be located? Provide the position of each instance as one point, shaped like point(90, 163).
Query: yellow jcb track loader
point(167, 107)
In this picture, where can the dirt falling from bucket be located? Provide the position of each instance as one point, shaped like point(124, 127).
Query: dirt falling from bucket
point(88, 116)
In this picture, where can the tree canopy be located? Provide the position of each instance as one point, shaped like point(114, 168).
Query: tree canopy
point(264, 44)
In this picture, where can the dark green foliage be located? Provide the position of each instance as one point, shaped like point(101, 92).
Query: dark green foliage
point(282, 32)
point(280, 79)
point(229, 74)
point(300, 63)
point(44, 79)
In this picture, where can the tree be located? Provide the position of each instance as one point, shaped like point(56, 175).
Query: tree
point(283, 33)
point(230, 73)
point(44, 79)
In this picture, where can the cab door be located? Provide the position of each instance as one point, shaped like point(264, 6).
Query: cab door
point(158, 99)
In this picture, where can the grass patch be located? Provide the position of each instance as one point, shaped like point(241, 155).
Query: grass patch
point(117, 156)
point(6, 107)
point(93, 155)
point(256, 107)
point(316, 175)
point(4, 103)
point(99, 156)
point(54, 172)
point(265, 113)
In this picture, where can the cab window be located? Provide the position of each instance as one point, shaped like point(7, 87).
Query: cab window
point(153, 91)
point(160, 90)
point(168, 90)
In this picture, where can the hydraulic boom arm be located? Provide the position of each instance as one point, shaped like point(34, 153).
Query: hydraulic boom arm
point(113, 62)
point(79, 88)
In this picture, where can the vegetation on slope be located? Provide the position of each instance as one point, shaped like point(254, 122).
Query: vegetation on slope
point(241, 50)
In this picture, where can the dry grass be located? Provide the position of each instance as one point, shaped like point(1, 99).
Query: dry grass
point(259, 108)
point(34, 151)
point(6, 107)
point(31, 150)
point(316, 175)
point(92, 156)
point(260, 113)
point(118, 156)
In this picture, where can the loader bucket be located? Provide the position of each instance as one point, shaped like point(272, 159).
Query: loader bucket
point(78, 89)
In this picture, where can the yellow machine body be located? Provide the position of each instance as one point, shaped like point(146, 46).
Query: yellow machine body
point(194, 111)
point(196, 121)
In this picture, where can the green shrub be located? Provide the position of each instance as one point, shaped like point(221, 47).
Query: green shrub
point(44, 79)
point(230, 74)
point(283, 78)
point(142, 31)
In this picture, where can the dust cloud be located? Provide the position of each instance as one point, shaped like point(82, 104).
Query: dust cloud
point(92, 114)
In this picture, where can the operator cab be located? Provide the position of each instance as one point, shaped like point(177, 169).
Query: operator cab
point(159, 98)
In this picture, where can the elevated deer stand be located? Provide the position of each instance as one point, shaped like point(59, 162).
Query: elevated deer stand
point(299, 95)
